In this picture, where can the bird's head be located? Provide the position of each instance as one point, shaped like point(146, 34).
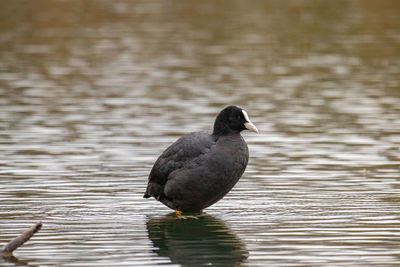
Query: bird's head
point(233, 119)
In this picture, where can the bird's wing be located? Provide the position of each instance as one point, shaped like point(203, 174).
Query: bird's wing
point(181, 153)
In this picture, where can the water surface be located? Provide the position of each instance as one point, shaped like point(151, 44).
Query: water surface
point(91, 92)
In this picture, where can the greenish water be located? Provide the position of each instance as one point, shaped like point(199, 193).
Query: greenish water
point(91, 92)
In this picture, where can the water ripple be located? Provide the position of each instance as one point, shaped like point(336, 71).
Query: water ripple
point(90, 95)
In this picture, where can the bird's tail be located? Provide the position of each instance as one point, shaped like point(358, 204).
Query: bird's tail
point(154, 190)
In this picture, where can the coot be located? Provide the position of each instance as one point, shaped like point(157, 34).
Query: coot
point(200, 168)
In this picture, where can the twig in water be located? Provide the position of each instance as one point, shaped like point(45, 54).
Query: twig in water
point(20, 240)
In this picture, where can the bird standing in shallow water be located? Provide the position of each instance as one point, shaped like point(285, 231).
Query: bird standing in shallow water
point(200, 168)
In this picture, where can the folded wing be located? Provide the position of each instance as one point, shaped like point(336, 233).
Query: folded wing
point(180, 154)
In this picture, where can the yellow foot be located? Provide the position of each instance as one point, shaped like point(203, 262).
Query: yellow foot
point(178, 213)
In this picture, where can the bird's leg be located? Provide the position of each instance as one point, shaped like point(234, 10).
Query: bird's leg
point(178, 213)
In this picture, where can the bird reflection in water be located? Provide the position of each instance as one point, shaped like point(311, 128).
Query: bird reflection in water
point(196, 240)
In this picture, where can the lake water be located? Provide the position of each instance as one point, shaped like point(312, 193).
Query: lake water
point(91, 92)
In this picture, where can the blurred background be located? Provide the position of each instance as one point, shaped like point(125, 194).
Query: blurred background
point(92, 91)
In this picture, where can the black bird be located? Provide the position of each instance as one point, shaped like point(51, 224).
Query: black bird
point(200, 168)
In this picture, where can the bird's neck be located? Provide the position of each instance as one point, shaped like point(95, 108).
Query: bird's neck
point(221, 129)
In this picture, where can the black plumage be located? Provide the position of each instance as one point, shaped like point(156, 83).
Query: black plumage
point(200, 168)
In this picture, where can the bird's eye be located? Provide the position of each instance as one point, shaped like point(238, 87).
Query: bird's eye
point(238, 117)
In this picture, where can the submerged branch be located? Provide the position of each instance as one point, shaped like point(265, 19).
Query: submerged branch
point(20, 240)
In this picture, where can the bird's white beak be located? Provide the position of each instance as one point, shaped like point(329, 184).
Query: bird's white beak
point(249, 125)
